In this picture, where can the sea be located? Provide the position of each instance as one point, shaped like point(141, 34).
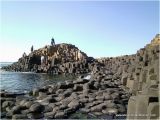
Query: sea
point(26, 81)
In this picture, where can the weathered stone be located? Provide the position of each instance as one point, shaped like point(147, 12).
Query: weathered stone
point(85, 110)
point(121, 108)
point(98, 108)
point(28, 104)
point(74, 104)
point(47, 108)
point(69, 111)
point(60, 114)
point(35, 92)
point(78, 87)
point(7, 103)
point(19, 116)
point(110, 111)
point(25, 112)
point(49, 115)
point(16, 110)
point(35, 115)
point(97, 113)
point(37, 108)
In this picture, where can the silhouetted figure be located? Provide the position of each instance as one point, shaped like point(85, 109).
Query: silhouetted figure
point(24, 54)
point(32, 48)
point(52, 42)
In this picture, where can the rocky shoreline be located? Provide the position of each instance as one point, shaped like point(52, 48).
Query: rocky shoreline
point(126, 85)
point(99, 98)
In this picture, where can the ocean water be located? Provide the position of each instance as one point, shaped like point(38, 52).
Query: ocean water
point(26, 81)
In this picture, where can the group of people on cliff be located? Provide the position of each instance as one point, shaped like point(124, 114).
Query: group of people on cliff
point(32, 48)
point(52, 44)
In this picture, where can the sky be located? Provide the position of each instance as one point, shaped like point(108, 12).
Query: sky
point(98, 28)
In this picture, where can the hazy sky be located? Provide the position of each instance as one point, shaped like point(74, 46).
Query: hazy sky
point(100, 29)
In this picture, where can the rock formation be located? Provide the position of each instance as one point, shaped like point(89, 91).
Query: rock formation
point(139, 73)
point(57, 59)
point(121, 85)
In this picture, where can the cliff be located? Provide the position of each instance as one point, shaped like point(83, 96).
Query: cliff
point(57, 59)
point(139, 73)
point(126, 85)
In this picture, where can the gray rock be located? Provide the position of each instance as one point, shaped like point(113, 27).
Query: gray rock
point(49, 99)
point(59, 91)
point(86, 86)
point(47, 108)
point(22, 103)
point(25, 112)
point(62, 85)
point(80, 81)
point(110, 111)
point(28, 104)
point(78, 87)
point(16, 110)
point(35, 92)
point(68, 92)
point(62, 107)
point(55, 109)
point(52, 105)
point(121, 108)
point(91, 99)
point(74, 95)
point(8, 109)
point(98, 108)
point(51, 90)
point(110, 104)
point(74, 104)
point(85, 110)
point(37, 108)
point(69, 111)
point(97, 113)
point(41, 95)
point(19, 116)
point(49, 115)
point(100, 97)
point(7, 103)
point(35, 115)
point(60, 114)
point(66, 101)
point(83, 100)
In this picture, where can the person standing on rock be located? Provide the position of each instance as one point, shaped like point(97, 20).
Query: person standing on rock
point(32, 48)
point(24, 54)
point(52, 42)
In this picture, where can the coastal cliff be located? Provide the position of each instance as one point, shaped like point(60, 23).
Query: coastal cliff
point(57, 59)
point(118, 87)
point(139, 73)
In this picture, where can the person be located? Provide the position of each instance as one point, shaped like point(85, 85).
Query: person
point(52, 42)
point(24, 54)
point(32, 48)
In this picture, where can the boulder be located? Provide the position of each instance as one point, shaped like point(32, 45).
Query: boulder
point(35, 115)
point(74, 104)
point(7, 104)
point(19, 116)
point(28, 104)
point(16, 110)
point(78, 87)
point(98, 108)
point(110, 111)
point(36, 108)
point(49, 115)
point(60, 114)
point(47, 108)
